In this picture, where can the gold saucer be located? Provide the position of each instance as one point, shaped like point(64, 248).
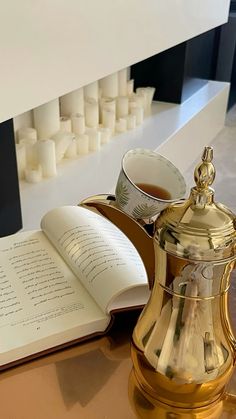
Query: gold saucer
point(138, 235)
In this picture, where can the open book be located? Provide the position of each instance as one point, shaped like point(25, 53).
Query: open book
point(61, 284)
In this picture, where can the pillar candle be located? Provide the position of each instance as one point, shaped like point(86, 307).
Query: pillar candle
point(122, 82)
point(47, 157)
point(138, 99)
point(72, 102)
point(91, 113)
point(109, 85)
point(138, 112)
point(122, 106)
point(33, 174)
point(91, 90)
point(23, 120)
point(82, 144)
point(130, 87)
point(71, 152)
point(21, 160)
point(65, 124)
point(31, 154)
point(99, 92)
point(121, 125)
point(108, 103)
point(132, 103)
point(150, 95)
point(94, 139)
point(109, 119)
point(62, 141)
point(27, 132)
point(131, 121)
point(142, 91)
point(105, 134)
point(47, 119)
point(78, 123)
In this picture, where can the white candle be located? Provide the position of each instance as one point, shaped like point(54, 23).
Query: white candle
point(31, 154)
point(109, 119)
point(131, 121)
point(122, 106)
point(122, 82)
point(21, 160)
point(108, 103)
point(47, 157)
point(91, 90)
point(130, 87)
point(82, 144)
point(72, 102)
point(71, 152)
point(150, 95)
point(105, 134)
point(138, 112)
point(33, 174)
point(91, 113)
point(121, 125)
point(78, 123)
point(47, 119)
point(27, 132)
point(139, 100)
point(94, 139)
point(23, 120)
point(109, 85)
point(142, 91)
point(65, 124)
point(62, 141)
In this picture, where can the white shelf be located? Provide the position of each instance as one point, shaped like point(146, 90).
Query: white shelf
point(49, 48)
point(98, 171)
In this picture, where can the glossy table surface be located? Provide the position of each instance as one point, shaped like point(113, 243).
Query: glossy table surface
point(92, 380)
point(89, 380)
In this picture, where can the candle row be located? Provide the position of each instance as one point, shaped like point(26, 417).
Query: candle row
point(37, 159)
point(78, 123)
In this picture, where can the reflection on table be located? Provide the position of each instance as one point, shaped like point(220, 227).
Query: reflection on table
point(94, 380)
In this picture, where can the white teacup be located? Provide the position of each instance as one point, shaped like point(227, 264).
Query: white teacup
point(148, 183)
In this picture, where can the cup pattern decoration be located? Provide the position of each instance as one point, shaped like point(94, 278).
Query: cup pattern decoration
point(143, 164)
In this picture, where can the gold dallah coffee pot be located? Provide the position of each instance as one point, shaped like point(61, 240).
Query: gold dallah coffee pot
point(183, 349)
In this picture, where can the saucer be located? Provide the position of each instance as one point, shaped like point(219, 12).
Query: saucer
point(105, 205)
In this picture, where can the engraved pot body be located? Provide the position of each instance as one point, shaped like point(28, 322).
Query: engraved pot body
point(183, 349)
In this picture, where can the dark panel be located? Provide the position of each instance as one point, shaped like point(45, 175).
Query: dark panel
point(200, 62)
point(233, 6)
point(226, 67)
point(180, 71)
point(232, 96)
point(10, 209)
point(164, 71)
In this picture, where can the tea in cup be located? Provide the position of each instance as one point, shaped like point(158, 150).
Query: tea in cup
point(148, 182)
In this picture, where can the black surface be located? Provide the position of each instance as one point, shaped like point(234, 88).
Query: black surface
point(226, 63)
point(233, 6)
point(10, 209)
point(164, 71)
point(180, 71)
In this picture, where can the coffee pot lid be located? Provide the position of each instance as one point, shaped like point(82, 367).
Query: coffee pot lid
point(198, 228)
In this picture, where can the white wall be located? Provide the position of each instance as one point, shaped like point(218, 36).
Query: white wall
point(51, 47)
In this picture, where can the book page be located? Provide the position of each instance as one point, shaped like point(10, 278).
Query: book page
point(40, 297)
point(102, 257)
